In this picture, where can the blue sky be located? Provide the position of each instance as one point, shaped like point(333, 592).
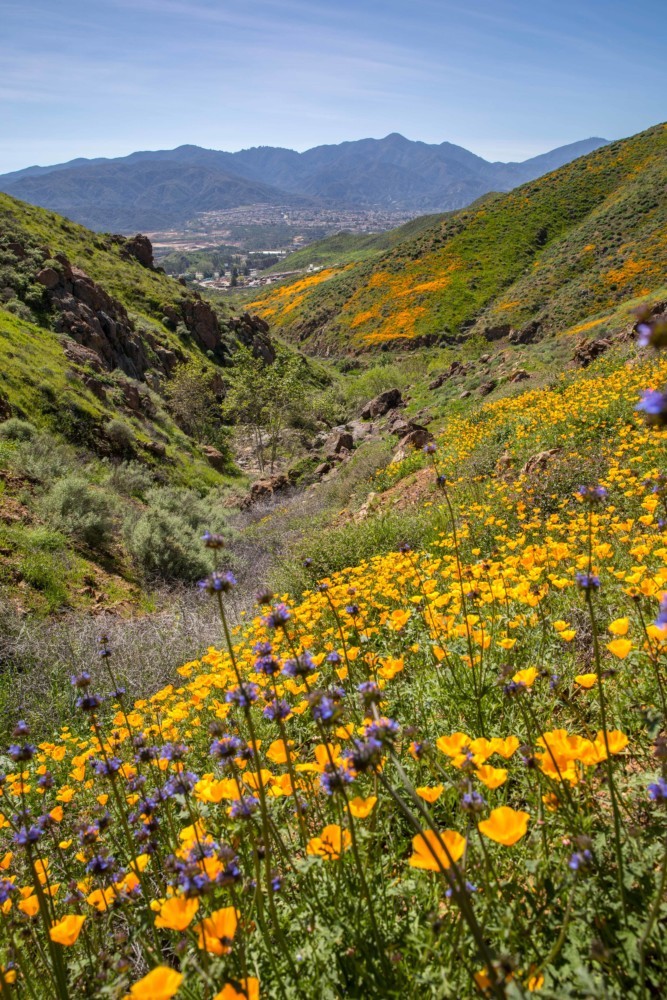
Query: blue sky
point(505, 78)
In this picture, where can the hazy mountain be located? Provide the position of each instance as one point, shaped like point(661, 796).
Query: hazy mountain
point(154, 189)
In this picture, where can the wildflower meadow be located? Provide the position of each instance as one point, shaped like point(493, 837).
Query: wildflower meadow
point(438, 773)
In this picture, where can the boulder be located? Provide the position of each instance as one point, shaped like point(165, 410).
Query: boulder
point(527, 334)
point(519, 376)
point(386, 401)
point(343, 441)
point(465, 394)
point(487, 387)
point(253, 332)
point(492, 333)
point(412, 441)
point(48, 277)
point(157, 448)
point(80, 355)
point(264, 489)
point(214, 457)
point(322, 469)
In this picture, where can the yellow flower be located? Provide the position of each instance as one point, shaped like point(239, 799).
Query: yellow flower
point(526, 677)
point(492, 777)
point(331, 843)
point(29, 906)
point(567, 634)
point(430, 793)
point(586, 680)
point(452, 745)
point(433, 852)
point(620, 647)
point(505, 825)
point(505, 747)
point(361, 808)
point(619, 627)
point(67, 930)
point(246, 989)
point(162, 983)
point(177, 913)
point(216, 932)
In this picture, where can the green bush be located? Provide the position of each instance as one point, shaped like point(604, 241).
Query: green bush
point(130, 479)
point(43, 458)
point(120, 436)
point(80, 510)
point(16, 429)
point(164, 546)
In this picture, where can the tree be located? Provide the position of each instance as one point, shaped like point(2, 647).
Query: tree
point(193, 401)
point(263, 398)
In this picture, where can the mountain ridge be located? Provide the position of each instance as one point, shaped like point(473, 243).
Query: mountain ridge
point(392, 172)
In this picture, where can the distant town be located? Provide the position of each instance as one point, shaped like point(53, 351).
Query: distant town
point(234, 248)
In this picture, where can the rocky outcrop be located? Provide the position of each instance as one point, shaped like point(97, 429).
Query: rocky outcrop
point(539, 461)
point(487, 387)
point(456, 368)
point(214, 457)
point(492, 333)
point(386, 401)
point(342, 441)
point(253, 332)
point(413, 440)
point(587, 351)
point(137, 248)
point(527, 334)
point(519, 376)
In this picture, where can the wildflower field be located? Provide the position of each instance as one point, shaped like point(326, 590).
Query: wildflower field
point(438, 773)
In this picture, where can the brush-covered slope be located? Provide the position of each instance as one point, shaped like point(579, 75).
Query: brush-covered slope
point(93, 340)
point(555, 252)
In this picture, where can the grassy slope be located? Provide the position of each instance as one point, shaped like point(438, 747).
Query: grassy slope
point(40, 385)
point(566, 248)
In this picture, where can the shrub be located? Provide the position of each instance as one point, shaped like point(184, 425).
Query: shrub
point(130, 479)
point(20, 309)
point(164, 546)
point(120, 435)
point(81, 511)
point(43, 458)
point(16, 429)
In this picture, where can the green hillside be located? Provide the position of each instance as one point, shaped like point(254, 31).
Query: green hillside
point(93, 340)
point(558, 251)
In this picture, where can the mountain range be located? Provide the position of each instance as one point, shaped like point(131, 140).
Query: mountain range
point(153, 190)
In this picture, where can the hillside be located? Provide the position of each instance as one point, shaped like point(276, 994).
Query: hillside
point(559, 251)
point(110, 388)
point(159, 189)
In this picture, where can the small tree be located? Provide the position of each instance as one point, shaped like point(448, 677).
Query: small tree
point(263, 398)
point(193, 401)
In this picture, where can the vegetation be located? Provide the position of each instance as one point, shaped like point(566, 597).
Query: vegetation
point(564, 251)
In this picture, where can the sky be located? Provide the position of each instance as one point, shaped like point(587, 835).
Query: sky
point(507, 79)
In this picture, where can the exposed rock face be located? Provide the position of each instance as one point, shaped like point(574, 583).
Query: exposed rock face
point(253, 332)
point(492, 333)
point(587, 351)
point(388, 400)
point(487, 387)
point(202, 323)
point(141, 248)
point(519, 376)
point(527, 334)
point(95, 320)
point(80, 355)
point(48, 277)
point(341, 442)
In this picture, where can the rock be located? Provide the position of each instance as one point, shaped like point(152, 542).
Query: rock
point(487, 387)
point(377, 407)
point(97, 388)
point(80, 355)
point(48, 277)
point(496, 332)
point(485, 358)
point(587, 351)
point(366, 508)
point(411, 442)
point(322, 469)
point(504, 464)
point(141, 248)
point(527, 334)
point(539, 461)
point(202, 323)
point(456, 368)
point(465, 394)
point(341, 442)
point(5, 408)
point(519, 376)
point(214, 457)
point(157, 448)
point(253, 332)
point(264, 489)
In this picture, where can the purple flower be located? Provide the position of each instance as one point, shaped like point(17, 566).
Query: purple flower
point(173, 751)
point(226, 748)
point(661, 620)
point(244, 808)
point(218, 583)
point(243, 696)
point(107, 768)
point(27, 835)
point(277, 710)
point(657, 791)
point(580, 859)
point(654, 405)
point(370, 693)
point(302, 666)
point(212, 540)
point(267, 665)
point(88, 703)
point(473, 802)
point(335, 779)
point(277, 617)
point(383, 731)
point(23, 752)
point(592, 494)
point(366, 755)
point(81, 680)
point(587, 581)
